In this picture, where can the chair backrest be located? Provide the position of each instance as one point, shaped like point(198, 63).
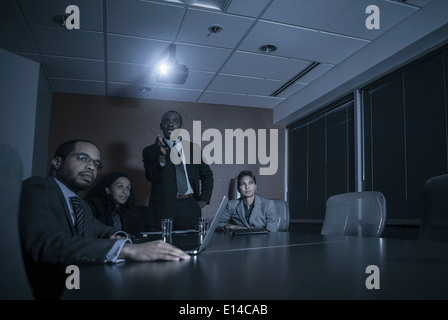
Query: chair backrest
point(434, 225)
point(233, 189)
point(282, 209)
point(355, 214)
point(13, 278)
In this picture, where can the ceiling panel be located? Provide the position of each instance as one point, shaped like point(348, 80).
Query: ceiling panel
point(263, 66)
point(134, 50)
point(287, 39)
point(74, 68)
point(42, 12)
point(176, 94)
point(9, 11)
point(317, 48)
point(59, 41)
point(247, 85)
point(308, 13)
point(10, 31)
point(239, 99)
point(352, 21)
point(248, 8)
point(144, 19)
point(202, 58)
point(130, 91)
point(80, 86)
point(195, 29)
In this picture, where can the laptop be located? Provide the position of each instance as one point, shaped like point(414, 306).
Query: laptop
point(191, 242)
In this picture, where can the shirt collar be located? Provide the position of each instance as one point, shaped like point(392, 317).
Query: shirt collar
point(66, 191)
point(170, 143)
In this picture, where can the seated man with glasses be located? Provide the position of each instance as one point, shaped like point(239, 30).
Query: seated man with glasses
point(57, 227)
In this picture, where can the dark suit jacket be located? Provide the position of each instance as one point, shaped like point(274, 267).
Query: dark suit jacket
point(163, 196)
point(47, 231)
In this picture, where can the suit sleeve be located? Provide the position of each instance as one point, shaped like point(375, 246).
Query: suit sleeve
point(206, 176)
point(46, 233)
point(153, 169)
point(271, 217)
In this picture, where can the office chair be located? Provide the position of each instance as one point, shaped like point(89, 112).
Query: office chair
point(282, 209)
point(13, 278)
point(234, 194)
point(355, 214)
point(434, 226)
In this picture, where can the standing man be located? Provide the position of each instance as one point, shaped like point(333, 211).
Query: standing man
point(178, 191)
point(58, 228)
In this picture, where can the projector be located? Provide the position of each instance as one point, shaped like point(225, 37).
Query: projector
point(178, 74)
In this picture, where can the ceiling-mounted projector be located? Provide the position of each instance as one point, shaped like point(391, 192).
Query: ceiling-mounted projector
point(169, 70)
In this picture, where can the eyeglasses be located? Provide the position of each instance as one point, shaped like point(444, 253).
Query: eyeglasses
point(167, 122)
point(86, 158)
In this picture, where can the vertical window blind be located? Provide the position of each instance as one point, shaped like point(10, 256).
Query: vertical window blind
point(321, 159)
point(406, 134)
point(405, 142)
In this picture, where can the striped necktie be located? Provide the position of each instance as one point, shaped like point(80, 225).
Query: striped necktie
point(181, 179)
point(78, 210)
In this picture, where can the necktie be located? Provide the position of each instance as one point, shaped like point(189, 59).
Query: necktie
point(181, 179)
point(78, 210)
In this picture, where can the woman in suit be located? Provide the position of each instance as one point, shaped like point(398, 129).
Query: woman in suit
point(250, 210)
point(111, 198)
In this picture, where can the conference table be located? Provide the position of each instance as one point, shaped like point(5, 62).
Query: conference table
point(279, 266)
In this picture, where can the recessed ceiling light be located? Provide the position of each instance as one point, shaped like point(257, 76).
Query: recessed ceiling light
point(267, 48)
point(215, 28)
point(60, 19)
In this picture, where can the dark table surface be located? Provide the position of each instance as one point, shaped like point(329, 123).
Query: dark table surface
point(279, 266)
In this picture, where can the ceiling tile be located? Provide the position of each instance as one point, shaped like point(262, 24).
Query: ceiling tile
point(420, 3)
point(61, 67)
point(42, 12)
point(10, 32)
point(308, 13)
point(176, 94)
point(245, 85)
point(196, 80)
point(129, 73)
point(263, 66)
point(59, 41)
point(248, 8)
point(291, 39)
point(318, 71)
point(239, 99)
point(129, 91)
point(134, 50)
point(201, 58)
point(9, 11)
point(196, 23)
point(292, 89)
point(144, 19)
point(329, 48)
point(79, 86)
point(352, 21)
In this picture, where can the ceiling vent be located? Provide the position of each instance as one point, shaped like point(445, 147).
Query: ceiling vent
point(295, 78)
point(207, 4)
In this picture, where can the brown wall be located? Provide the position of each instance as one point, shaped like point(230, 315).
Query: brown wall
point(122, 127)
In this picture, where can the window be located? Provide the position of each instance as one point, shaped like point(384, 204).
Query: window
point(321, 161)
point(405, 119)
